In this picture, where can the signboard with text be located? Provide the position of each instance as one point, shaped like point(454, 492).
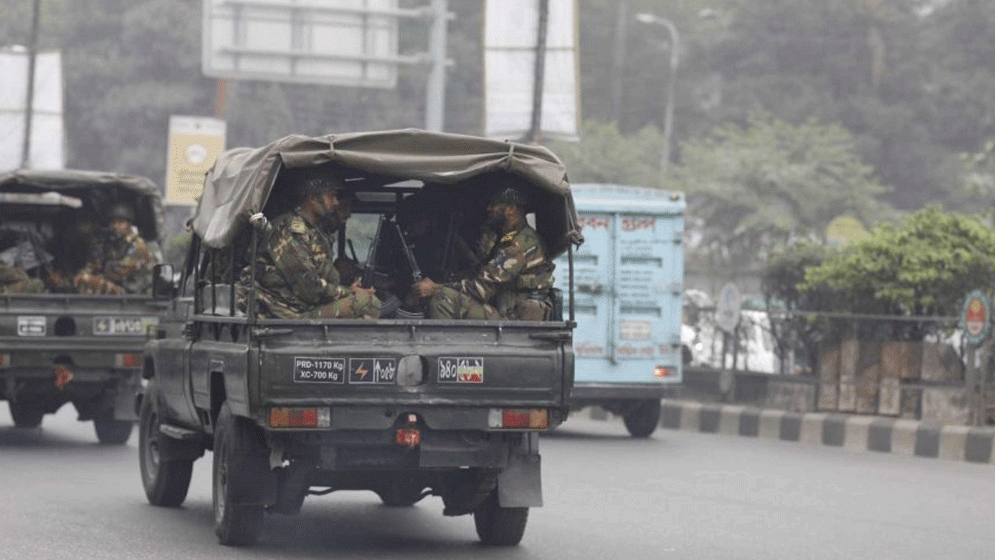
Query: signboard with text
point(194, 144)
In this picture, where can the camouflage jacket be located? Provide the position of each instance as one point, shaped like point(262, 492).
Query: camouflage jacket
point(516, 266)
point(295, 271)
point(118, 265)
point(14, 280)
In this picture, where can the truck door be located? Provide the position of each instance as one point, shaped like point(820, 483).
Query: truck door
point(629, 277)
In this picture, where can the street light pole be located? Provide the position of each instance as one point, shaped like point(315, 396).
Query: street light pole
point(668, 116)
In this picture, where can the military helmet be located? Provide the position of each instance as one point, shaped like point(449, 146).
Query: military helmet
point(509, 195)
point(121, 212)
point(319, 185)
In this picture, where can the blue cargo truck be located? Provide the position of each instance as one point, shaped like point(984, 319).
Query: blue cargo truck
point(629, 277)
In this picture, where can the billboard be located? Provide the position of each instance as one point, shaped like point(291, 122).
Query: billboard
point(333, 42)
point(511, 30)
point(194, 144)
point(47, 145)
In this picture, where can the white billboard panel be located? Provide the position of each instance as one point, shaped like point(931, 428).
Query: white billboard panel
point(47, 145)
point(335, 42)
point(511, 31)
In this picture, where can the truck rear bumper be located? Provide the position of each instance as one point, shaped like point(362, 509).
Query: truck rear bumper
point(584, 394)
point(343, 450)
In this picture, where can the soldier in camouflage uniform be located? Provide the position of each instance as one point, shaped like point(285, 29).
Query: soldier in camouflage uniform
point(295, 275)
point(14, 280)
point(515, 279)
point(121, 262)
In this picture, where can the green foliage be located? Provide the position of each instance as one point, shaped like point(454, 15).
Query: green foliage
point(604, 155)
point(782, 276)
point(759, 187)
point(923, 266)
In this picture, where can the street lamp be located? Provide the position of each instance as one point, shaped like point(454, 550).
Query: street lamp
point(668, 117)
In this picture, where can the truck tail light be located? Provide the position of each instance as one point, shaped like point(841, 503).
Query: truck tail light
point(518, 418)
point(300, 417)
point(661, 372)
point(128, 361)
point(409, 435)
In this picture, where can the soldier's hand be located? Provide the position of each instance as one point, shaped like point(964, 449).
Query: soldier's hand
point(358, 289)
point(426, 288)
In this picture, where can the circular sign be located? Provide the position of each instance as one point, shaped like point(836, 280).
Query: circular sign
point(196, 154)
point(975, 318)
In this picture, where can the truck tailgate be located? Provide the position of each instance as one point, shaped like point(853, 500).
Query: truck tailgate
point(428, 364)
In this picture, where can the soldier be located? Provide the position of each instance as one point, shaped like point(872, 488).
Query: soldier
point(14, 280)
point(515, 279)
point(295, 275)
point(121, 262)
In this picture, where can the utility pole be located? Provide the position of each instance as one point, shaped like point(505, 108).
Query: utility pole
point(29, 102)
point(621, 26)
point(668, 117)
point(435, 102)
point(540, 72)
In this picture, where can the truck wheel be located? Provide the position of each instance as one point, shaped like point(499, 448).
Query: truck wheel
point(499, 526)
point(111, 431)
point(641, 420)
point(26, 414)
point(241, 466)
point(166, 482)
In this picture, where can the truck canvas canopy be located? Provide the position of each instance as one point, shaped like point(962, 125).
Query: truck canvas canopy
point(93, 192)
point(249, 181)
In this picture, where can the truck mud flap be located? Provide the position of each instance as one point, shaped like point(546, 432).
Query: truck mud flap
point(520, 484)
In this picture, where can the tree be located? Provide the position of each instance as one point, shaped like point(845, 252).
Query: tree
point(923, 266)
point(755, 188)
point(605, 155)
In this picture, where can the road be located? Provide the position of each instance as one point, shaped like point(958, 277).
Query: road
point(679, 495)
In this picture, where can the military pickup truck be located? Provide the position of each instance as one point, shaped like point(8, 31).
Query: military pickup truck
point(58, 346)
point(404, 406)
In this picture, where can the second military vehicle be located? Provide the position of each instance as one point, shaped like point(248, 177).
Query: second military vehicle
point(59, 346)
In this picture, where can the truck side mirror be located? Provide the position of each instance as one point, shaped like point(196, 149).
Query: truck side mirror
point(163, 285)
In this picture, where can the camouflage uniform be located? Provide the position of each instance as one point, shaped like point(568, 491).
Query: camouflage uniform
point(14, 280)
point(296, 277)
point(118, 266)
point(513, 284)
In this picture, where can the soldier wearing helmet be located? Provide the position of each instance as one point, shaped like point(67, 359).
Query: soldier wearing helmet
point(295, 274)
point(120, 261)
point(513, 282)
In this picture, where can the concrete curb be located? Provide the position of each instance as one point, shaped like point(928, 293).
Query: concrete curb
point(848, 432)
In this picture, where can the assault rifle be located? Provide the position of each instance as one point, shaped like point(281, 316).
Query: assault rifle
point(416, 275)
point(370, 266)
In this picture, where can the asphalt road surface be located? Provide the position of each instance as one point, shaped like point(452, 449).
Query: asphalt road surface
point(678, 495)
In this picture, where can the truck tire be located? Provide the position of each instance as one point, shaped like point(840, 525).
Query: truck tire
point(499, 526)
point(642, 419)
point(165, 482)
point(26, 414)
point(111, 431)
point(241, 466)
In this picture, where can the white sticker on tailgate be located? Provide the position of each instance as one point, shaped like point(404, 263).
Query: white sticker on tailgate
point(134, 326)
point(31, 325)
point(319, 370)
